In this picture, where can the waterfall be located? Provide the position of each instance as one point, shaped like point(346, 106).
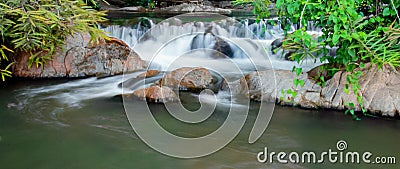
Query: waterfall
point(173, 44)
point(265, 29)
point(129, 34)
point(227, 37)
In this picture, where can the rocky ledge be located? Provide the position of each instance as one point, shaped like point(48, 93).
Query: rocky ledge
point(193, 8)
point(380, 89)
point(77, 58)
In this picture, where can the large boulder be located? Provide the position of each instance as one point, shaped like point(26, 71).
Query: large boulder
point(187, 78)
point(78, 58)
point(156, 94)
point(380, 89)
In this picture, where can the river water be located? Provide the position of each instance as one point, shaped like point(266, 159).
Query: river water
point(41, 131)
point(82, 124)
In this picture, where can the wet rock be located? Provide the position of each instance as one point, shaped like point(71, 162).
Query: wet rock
point(207, 3)
point(187, 78)
point(276, 47)
point(288, 55)
point(79, 59)
point(156, 94)
point(149, 73)
point(277, 43)
point(225, 4)
point(202, 41)
point(261, 86)
point(223, 49)
point(133, 8)
point(208, 40)
point(380, 90)
point(194, 8)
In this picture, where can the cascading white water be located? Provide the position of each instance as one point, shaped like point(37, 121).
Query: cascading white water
point(173, 44)
point(74, 92)
point(129, 34)
point(174, 38)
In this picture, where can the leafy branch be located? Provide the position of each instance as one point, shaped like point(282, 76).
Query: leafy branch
point(38, 27)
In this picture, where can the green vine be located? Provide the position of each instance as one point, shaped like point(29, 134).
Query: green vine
point(363, 31)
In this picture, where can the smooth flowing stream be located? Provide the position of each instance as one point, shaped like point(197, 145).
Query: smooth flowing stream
point(82, 123)
point(39, 128)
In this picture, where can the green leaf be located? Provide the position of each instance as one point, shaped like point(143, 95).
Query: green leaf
point(335, 39)
point(362, 65)
point(302, 83)
point(298, 71)
point(386, 11)
point(296, 82)
point(351, 52)
point(355, 35)
point(393, 12)
point(352, 112)
point(371, 20)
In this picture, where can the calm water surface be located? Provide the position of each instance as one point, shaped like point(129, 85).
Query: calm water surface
point(42, 131)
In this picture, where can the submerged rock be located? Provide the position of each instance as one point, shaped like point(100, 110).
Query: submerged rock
point(79, 59)
point(380, 90)
point(187, 78)
point(156, 94)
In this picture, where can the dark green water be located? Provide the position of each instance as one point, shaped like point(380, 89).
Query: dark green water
point(42, 132)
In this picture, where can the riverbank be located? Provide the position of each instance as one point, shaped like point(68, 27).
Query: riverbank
point(181, 8)
point(131, 52)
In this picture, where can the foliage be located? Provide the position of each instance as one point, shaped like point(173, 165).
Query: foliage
point(260, 7)
point(143, 3)
point(362, 30)
point(383, 49)
point(358, 33)
point(94, 3)
point(39, 26)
